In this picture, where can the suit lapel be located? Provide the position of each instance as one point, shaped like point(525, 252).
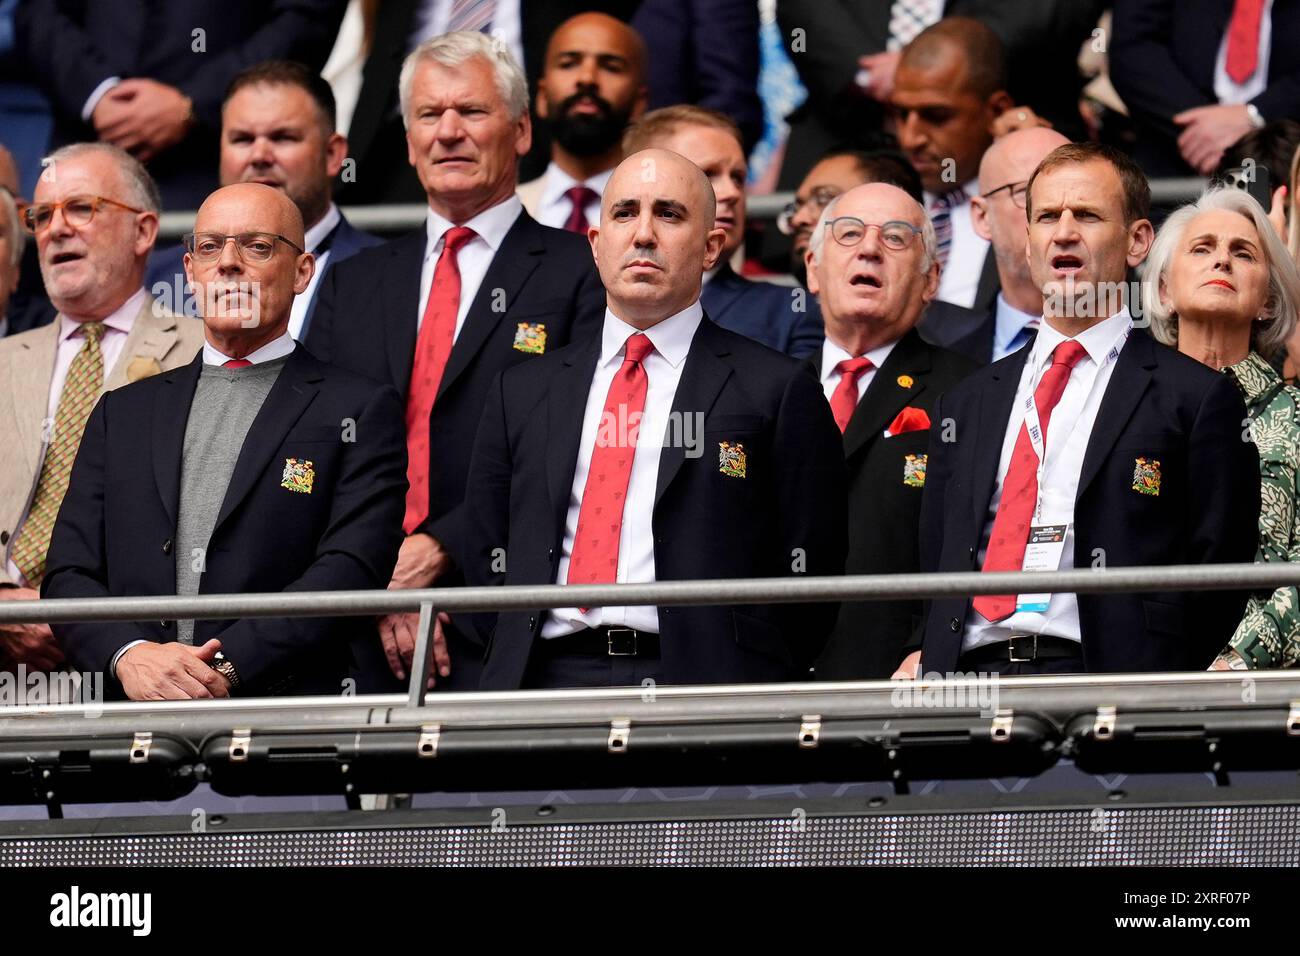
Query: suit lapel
point(150, 339)
point(886, 396)
point(565, 402)
point(1128, 383)
point(520, 253)
point(29, 376)
point(293, 391)
point(702, 379)
point(171, 413)
point(402, 297)
point(993, 414)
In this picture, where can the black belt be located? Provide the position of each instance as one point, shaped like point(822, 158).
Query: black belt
point(1023, 648)
point(605, 642)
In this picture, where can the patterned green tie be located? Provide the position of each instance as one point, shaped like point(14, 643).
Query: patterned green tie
point(80, 390)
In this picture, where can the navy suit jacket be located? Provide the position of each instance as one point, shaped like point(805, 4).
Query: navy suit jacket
point(1158, 405)
point(884, 505)
point(365, 320)
point(707, 524)
point(787, 319)
point(114, 535)
point(1162, 57)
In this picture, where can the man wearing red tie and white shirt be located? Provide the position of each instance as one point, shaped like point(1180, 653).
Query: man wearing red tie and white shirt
point(872, 264)
point(440, 312)
point(668, 448)
point(1093, 447)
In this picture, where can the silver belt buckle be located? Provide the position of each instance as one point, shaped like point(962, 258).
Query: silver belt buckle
point(1011, 649)
point(630, 633)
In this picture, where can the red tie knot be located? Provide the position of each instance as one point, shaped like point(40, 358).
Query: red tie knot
point(581, 196)
point(637, 348)
point(456, 237)
point(1068, 353)
point(852, 368)
point(236, 363)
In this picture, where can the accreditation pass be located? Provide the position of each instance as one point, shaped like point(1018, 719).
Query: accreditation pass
point(1042, 553)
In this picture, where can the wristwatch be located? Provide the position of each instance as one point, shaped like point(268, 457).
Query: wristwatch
point(226, 668)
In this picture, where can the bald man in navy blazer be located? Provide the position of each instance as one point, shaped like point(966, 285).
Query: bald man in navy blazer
point(736, 470)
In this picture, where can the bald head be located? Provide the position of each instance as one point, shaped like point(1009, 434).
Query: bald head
point(657, 236)
point(245, 288)
point(600, 32)
point(1013, 157)
point(969, 46)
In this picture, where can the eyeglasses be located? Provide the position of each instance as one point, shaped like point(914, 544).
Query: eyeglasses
point(251, 246)
point(850, 230)
point(77, 211)
point(819, 200)
point(1019, 192)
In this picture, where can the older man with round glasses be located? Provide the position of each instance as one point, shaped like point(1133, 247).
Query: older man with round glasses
point(266, 470)
point(872, 264)
point(94, 217)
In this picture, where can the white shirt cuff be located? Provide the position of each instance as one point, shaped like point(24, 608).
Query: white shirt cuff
point(112, 667)
point(96, 95)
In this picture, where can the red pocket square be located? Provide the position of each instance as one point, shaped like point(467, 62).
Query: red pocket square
point(909, 419)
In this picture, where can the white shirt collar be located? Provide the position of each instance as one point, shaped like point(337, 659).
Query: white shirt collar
point(323, 228)
point(671, 337)
point(1097, 341)
point(272, 350)
point(1008, 322)
point(491, 225)
point(557, 182)
point(833, 355)
point(121, 319)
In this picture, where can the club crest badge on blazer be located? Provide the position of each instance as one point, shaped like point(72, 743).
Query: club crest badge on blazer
point(530, 338)
point(1146, 476)
point(298, 475)
point(914, 470)
point(731, 459)
point(905, 381)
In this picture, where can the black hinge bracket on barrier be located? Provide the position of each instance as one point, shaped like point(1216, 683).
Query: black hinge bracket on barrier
point(896, 775)
point(1216, 764)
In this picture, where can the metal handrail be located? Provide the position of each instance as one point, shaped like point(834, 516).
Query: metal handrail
point(398, 217)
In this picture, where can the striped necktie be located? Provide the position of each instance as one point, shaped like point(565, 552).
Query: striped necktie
point(80, 391)
point(941, 218)
point(471, 15)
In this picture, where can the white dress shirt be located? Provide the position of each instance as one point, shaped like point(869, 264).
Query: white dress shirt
point(1068, 433)
point(1008, 325)
point(1225, 87)
point(960, 278)
point(315, 235)
point(278, 347)
point(555, 208)
point(833, 355)
point(671, 339)
point(433, 16)
point(490, 228)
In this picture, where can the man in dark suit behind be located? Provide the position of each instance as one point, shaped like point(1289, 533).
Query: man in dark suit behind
point(440, 312)
point(740, 474)
point(872, 264)
point(1142, 451)
point(254, 468)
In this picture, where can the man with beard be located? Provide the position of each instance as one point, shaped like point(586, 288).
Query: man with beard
point(592, 87)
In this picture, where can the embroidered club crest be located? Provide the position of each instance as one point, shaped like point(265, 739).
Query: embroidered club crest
point(530, 338)
point(905, 381)
point(731, 459)
point(298, 475)
point(914, 470)
point(1146, 476)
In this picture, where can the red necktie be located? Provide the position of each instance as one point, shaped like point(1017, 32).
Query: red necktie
point(581, 197)
point(1243, 39)
point(432, 350)
point(236, 363)
point(1006, 550)
point(845, 397)
point(600, 519)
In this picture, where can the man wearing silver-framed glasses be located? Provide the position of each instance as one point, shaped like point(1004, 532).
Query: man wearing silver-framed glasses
point(254, 468)
point(872, 264)
point(94, 219)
